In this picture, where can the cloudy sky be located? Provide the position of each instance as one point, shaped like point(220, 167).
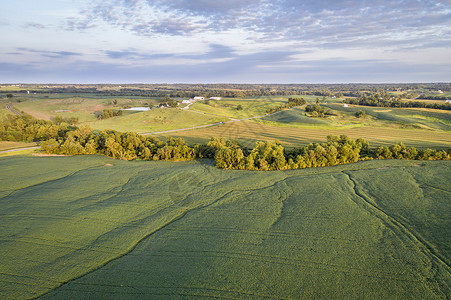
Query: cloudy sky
point(225, 41)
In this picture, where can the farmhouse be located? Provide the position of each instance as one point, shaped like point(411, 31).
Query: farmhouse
point(447, 101)
point(345, 105)
point(198, 98)
point(187, 101)
point(214, 98)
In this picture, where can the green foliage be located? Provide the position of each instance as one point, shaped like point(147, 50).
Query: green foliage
point(26, 128)
point(360, 114)
point(239, 107)
point(386, 100)
point(292, 102)
point(316, 110)
point(108, 113)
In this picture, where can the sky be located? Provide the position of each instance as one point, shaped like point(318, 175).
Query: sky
point(219, 41)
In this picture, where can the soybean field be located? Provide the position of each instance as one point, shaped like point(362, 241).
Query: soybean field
point(92, 227)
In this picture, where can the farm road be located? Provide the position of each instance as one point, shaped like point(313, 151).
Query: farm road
point(20, 149)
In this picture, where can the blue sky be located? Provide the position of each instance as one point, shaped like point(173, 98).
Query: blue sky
point(233, 41)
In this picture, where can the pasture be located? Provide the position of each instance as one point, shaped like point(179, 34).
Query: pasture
point(375, 230)
point(73, 105)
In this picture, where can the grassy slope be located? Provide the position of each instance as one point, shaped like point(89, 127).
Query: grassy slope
point(248, 132)
point(5, 145)
point(156, 120)
point(79, 106)
point(369, 230)
point(251, 106)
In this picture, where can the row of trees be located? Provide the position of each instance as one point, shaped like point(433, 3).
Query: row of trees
point(434, 97)
point(337, 150)
point(292, 102)
point(316, 110)
point(108, 113)
point(70, 140)
point(378, 100)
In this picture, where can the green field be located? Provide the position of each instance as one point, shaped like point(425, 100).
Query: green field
point(72, 105)
point(156, 120)
point(91, 227)
point(248, 132)
point(422, 128)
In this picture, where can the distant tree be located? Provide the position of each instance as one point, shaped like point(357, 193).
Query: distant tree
point(73, 120)
point(360, 114)
point(9, 96)
point(58, 120)
point(239, 107)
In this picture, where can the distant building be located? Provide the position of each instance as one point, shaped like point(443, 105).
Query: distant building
point(198, 98)
point(345, 105)
point(448, 101)
point(214, 98)
point(440, 91)
point(187, 101)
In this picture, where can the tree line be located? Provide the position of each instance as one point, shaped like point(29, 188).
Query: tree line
point(292, 102)
point(64, 138)
point(385, 100)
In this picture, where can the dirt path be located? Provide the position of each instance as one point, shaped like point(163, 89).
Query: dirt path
point(20, 149)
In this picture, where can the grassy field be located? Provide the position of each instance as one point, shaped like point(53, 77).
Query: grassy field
point(71, 105)
point(374, 230)
point(156, 120)
point(248, 132)
point(251, 106)
point(396, 117)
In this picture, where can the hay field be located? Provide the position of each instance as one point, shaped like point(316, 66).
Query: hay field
point(248, 132)
point(91, 227)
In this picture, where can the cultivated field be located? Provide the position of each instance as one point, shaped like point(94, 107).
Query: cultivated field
point(422, 128)
point(248, 132)
point(91, 227)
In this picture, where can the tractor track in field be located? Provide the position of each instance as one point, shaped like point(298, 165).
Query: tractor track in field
point(397, 226)
point(213, 124)
point(9, 106)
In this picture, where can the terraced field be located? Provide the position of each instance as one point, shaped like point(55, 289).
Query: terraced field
point(248, 132)
point(91, 227)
